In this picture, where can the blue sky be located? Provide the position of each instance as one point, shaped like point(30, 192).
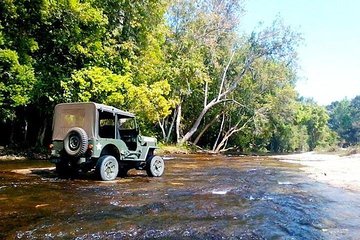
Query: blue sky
point(329, 58)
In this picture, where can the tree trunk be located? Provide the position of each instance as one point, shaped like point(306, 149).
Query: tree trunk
point(220, 131)
point(178, 121)
point(25, 132)
point(161, 124)
point(172, 125)
point(205, 129)
point(41, 135)
point(219, 99)
point(195, 126)
point(226, 137)
point(224, 75)
point(225, 144)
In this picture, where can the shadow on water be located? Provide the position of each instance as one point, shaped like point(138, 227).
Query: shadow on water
point(199, 197)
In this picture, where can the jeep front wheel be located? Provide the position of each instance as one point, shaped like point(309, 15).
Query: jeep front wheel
point(107, 168)
point(123, 171)
point(155, 166)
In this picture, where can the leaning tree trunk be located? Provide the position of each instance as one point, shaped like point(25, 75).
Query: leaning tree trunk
point(195, 126)
point(220, 131)
point(207, 126)
point(178, 121)
point(221, 98)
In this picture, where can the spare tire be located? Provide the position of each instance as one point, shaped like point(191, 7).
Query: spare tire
point(76, 142)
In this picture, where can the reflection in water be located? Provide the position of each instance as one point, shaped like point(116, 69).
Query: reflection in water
point(199, 197)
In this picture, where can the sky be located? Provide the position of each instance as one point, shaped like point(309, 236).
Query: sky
point(329, 56)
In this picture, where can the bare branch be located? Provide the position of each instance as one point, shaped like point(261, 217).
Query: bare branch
point(220, 131)
point(231, 131)
point(224, 74)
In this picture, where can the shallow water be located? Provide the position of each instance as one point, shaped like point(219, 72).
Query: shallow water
point(199, 197)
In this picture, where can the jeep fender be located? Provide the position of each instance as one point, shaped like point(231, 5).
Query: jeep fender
point(149, 152)
point(110, 149)
point(102, 146)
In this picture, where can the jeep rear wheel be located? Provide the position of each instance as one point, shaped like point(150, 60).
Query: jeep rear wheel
point(107, 168)
point(155, 166)
point(76, 142)
point(63, 168)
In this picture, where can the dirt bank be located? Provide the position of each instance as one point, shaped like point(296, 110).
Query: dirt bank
point(330, 168)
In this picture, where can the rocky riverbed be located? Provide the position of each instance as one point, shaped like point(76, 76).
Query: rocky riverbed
point(199, 197)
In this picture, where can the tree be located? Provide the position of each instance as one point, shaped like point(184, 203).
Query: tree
point(17, 82)
point(192, 47)
point(63, 42)
point(344, 119)
point(355, 116)
point(340, 119)
point(265, 107)
point(275, 42)
point(189, 77)
point(102, 85)
point(315, 119)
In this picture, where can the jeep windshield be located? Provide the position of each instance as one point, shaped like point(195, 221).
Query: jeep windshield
point(127, 123)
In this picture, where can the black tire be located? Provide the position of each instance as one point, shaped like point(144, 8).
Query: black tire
point(63, 168)
point(76, 142)
point(155, 166)
point(107, 168)
point(123, 171)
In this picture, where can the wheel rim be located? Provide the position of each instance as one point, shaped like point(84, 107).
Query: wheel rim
point(157, 167)
point(74, 142)
point(109, 169)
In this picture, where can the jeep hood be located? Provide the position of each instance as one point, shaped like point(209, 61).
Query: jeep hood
point(148, 139)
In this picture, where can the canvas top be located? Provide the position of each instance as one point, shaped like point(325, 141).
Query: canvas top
point(83, 115)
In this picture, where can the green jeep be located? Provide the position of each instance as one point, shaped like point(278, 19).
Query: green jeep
point(91, 135)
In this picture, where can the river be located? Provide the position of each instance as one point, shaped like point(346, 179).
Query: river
point(198, 197)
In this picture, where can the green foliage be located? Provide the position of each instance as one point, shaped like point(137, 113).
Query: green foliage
point(102, 85)
point(153, 57)
point(355, 115)
point(315, 119)
point(266, 94)
point(344, 120)
point(16, 83)
point(95, 84)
